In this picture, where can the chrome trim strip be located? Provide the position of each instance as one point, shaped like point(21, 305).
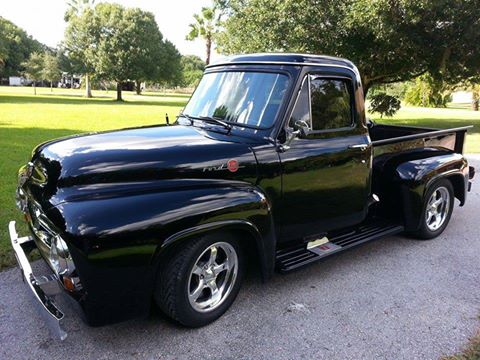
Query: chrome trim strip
point(260, 62)
point(44, 289)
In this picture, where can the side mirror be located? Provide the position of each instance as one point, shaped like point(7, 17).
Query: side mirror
point(301, 130)
point(302, 127)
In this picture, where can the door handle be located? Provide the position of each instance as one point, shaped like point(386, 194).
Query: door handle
point(361, 147)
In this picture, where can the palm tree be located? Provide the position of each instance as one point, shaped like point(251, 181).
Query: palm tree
point(205, 26)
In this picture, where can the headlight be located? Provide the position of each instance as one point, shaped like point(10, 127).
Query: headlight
point(60, 257)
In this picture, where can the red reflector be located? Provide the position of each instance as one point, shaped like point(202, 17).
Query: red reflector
point(69, 285)
point(27, 217)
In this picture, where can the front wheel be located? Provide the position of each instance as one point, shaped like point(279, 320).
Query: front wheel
point(437, 209)
point(201, 280)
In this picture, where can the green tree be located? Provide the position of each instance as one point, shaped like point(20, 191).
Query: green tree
point(206, 25)
point(76, 7)
point(122, 44)
point(475, 97)
point(151, 57)
point(79, 39)
point(34, 69)
point(385, 105)
point(192, 70)
point(429, 92)
point(172, 65)
point(125, 44)
point(15, 48)
point(50, 70)
point(389, 41)
point(3, 46)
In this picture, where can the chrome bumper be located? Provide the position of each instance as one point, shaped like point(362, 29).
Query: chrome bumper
point(44, 288)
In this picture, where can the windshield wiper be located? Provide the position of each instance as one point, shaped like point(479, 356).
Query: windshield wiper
point(186, 117)
point(209, 119)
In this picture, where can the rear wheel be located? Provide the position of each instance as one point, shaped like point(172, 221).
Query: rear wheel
point(201, 280)
point(437, 209)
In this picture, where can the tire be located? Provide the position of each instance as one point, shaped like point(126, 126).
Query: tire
point(191, 268)
point(429, 226)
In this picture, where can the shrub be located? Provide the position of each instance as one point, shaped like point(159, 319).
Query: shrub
point(385, 105)
point(429, 92)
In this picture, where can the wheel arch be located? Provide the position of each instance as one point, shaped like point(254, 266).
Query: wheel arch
point(248, 234)
point(459, 188)
point(416, 176)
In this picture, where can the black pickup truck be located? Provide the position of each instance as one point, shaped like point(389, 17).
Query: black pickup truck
point(271, 161)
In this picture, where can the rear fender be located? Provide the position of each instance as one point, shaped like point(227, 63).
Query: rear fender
point(414, 177)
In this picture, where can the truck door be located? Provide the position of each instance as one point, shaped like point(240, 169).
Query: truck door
point(326, 172)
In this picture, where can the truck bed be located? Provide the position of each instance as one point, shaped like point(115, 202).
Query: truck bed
point(393, 138)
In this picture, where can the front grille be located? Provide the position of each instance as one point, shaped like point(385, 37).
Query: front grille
point(39, 225)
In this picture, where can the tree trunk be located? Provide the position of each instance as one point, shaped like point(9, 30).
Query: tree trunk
point(88, 87)
point(366, 87)
point(209, 48)
point(475, 99)
point(119, 91)
point(34, 88)
point(51, 86)
point(138, 87)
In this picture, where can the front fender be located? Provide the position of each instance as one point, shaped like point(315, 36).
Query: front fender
point(115, 242)
point(415, 176)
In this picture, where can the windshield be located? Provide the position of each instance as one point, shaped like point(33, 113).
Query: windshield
point(249, 98)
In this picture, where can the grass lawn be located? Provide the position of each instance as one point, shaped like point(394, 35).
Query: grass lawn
point(27, 120)
point(455, 115)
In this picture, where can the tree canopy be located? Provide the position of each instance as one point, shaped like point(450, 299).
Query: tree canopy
point(50, 68)
point(120, 44)
point(34, 68)
point(171, 68)
point(15, 48)
point(192, 69)
point(206, 26)
point(389, 41)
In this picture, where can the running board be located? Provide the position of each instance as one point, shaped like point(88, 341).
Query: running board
point(296, 257)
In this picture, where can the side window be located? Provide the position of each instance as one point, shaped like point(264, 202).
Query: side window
point(302, 106)
point(331, 103)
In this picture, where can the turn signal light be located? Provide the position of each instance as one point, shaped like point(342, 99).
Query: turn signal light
point(68, 283)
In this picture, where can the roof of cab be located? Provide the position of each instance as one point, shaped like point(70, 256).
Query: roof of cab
point(285, 59)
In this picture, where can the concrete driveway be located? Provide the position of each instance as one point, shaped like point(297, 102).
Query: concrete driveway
point(393, 299)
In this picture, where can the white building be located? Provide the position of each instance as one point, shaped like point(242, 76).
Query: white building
point(15, 81)
point(462, 97)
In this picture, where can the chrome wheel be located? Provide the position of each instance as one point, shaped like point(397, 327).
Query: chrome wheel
point(437, 209)
point(212, 277)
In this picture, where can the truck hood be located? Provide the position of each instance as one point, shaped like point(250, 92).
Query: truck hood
point(142, 159)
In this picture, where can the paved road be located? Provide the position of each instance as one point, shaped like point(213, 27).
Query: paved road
point(392, 299)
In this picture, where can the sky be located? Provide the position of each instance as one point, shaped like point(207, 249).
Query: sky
point(43, 20)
